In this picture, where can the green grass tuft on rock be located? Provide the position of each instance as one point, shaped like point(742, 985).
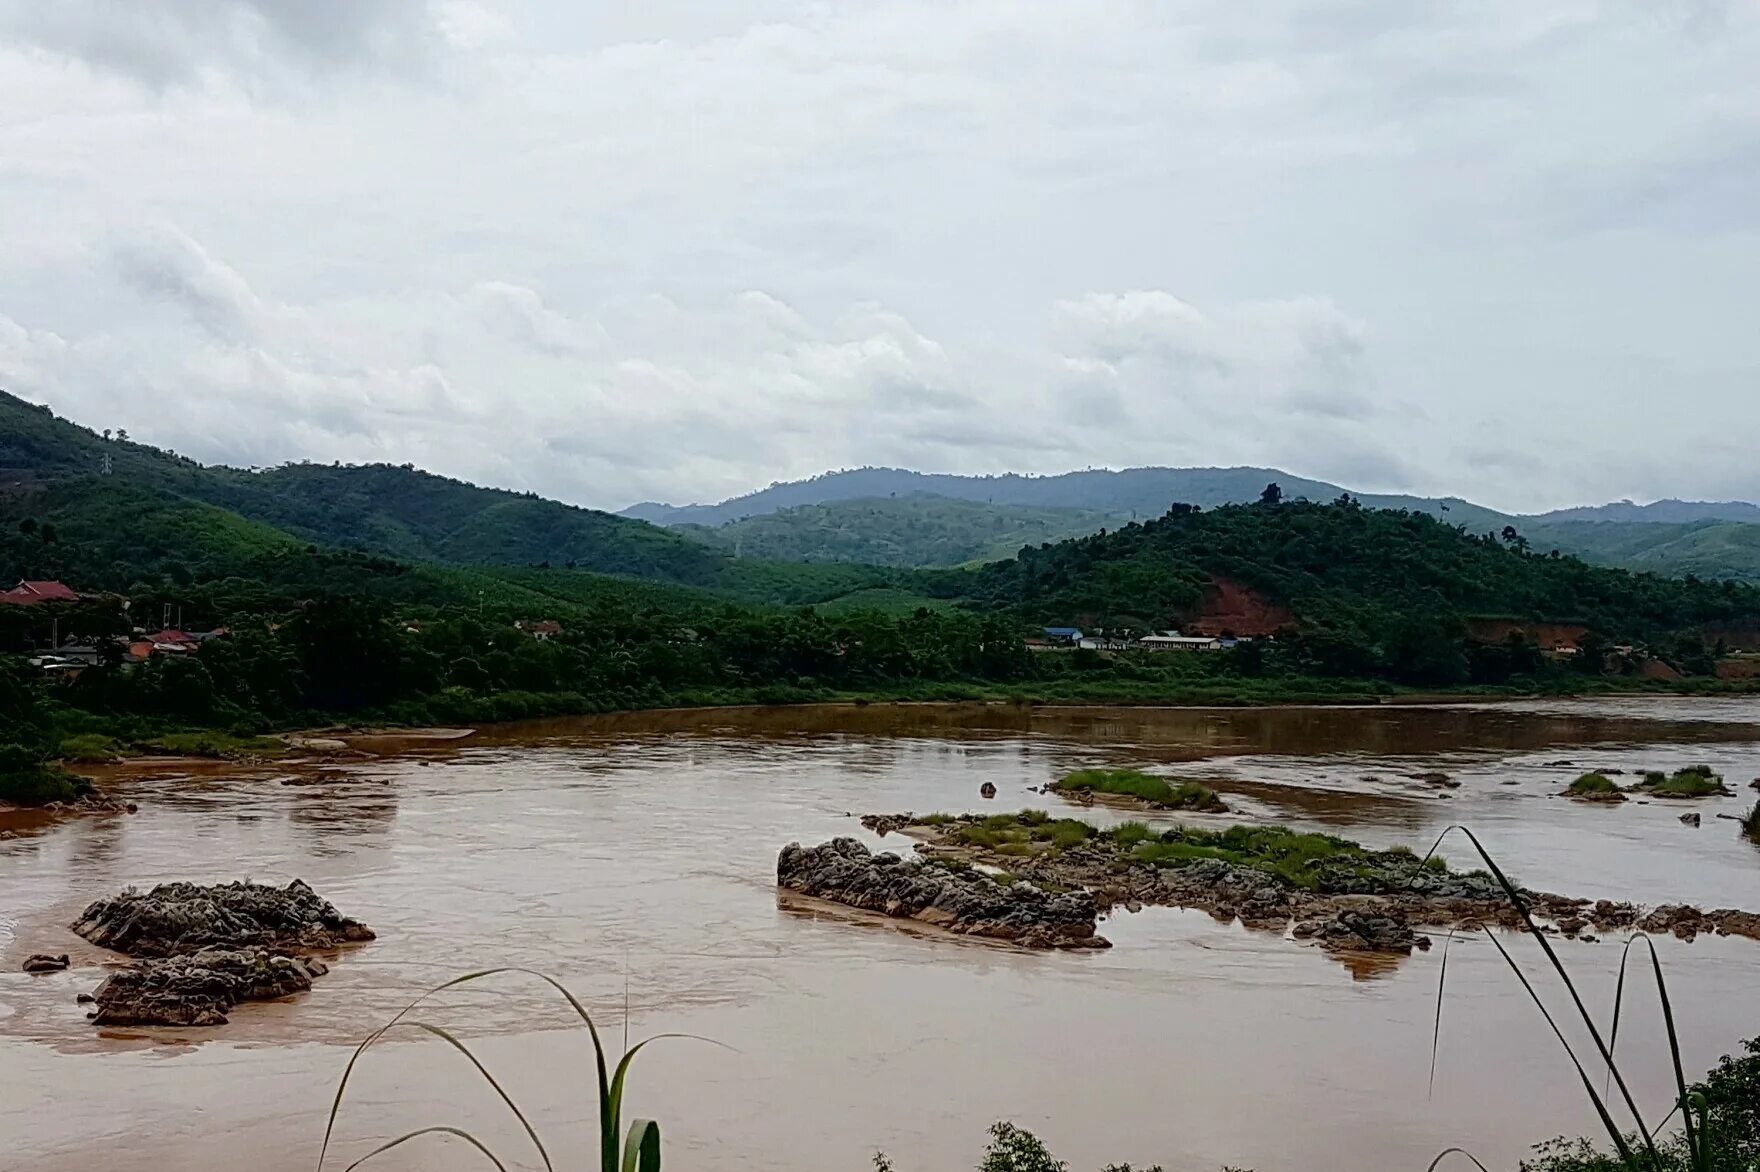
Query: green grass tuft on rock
point(1145, 787)
point(1313, 862)
point(1595, 787)
point(1695, 781)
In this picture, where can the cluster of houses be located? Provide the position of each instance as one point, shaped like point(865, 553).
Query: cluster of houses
point(69, 658)
point(1067, 638)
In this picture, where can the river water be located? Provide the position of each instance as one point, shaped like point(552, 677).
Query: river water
point(633, 858)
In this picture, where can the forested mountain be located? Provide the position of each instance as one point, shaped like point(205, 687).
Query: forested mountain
point(1369, 591)
point(394, 511)
point(914, 530)
point(1705, 549)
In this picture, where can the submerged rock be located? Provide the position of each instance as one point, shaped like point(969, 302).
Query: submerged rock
point(1358, 931)
point(960, 899)
point(178, 918)
point(199, 989)
point(1687, 922)
point(43, 963)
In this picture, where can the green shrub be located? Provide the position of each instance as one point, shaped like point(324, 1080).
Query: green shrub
point(1695, 781)
point(1129, 834)
point(1597, 787)
point(27, 780)
point(90, 748)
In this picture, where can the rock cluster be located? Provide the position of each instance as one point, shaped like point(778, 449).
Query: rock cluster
point(197, 990)
point(44, 963)
point(960, 900)
point(205, 949)
point(177, 918)
point(1687, 922)
point(1359, 931)
point(1362, 905)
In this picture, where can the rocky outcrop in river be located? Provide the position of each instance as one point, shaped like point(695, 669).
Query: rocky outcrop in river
point(1373, 903)
point(199, 989)
point(177, 918)
point(205, 949)
point(958, 899)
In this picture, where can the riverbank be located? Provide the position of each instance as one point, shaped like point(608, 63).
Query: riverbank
point(92, 740)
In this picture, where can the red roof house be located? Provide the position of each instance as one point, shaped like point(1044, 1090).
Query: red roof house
point(33, 593)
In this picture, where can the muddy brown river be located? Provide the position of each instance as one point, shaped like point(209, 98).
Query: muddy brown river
point(633, 858)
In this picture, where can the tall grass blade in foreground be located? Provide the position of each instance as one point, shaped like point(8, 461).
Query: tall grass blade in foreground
point(639, 1153)
point(1650, 1159)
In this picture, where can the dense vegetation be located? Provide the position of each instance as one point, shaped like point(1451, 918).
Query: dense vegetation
point(916, 530)
point(1706, 548)
point(393, 511)
point(1311, 862)
point(1373, 593)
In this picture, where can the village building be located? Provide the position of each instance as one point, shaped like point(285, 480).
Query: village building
point(34, 593)
point(1173, 641)
point(543, 630)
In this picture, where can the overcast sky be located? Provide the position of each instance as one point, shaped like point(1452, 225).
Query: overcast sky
point(678, 249)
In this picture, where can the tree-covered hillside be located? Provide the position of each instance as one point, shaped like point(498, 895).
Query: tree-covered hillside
point(1705, 549)
point(394, 511)
point(1371, 590)
point(916, 530)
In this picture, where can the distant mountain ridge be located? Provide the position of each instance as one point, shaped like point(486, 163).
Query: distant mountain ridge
point(1147, 492)
point(1664, 512)
point(877, 514)
point(1131, 492)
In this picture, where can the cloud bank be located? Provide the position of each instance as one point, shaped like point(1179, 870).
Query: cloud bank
point(611, 252)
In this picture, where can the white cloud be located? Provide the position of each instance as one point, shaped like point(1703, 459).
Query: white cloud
point(248, 42)
point(608, 251)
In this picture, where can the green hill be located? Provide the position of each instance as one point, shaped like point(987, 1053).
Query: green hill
point(50, 473)
point(1705, 549)
point(1371, 592)
point(395, 511)
point(917, 530)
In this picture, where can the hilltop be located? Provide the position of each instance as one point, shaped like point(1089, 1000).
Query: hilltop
point(1359, 591)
